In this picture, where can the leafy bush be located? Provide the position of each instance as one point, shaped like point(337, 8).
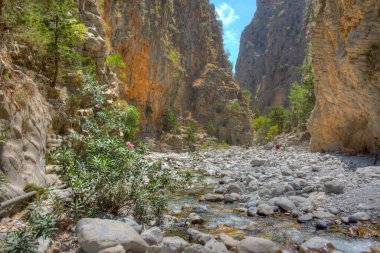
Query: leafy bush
point(170, 121)
point(191, 129)
point(234, 106)
point(262, 125)
point(39, 224)
point(247, 95)
point(272, 133)
point(117, 64)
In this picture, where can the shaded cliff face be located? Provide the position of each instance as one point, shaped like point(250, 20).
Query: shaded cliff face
point(166, 46)
point(346, 61)
point(271, 48)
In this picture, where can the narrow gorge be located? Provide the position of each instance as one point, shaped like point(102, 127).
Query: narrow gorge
point(126, 127)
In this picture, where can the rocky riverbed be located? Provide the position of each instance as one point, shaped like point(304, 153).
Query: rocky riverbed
point(296, 199)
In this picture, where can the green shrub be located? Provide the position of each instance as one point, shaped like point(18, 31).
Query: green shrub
point(191, 130)
point(272, 133)
point(247, 95)
point(170, 121)
point(116, 63)
point(261, 125)
point(39, 224)
point(234, 106)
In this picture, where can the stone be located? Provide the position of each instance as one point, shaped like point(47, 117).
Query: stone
point(252, 211)
point(359, 216)
point(235, 188)
point(152, 236)
point(198, 236)
point(195, 218)
point(258, 162)
point(95, 235)
point(305, 218)
point(173, 244)
point(323, 215)
point(265, 210)
point(257, 245)
point(316, 244)
point(230, 198)
point(321, 225)
point(123, 219)
point(334, 186)
point(228, 241)
point(116, 249)
point(285, 204)
point(196, 248)
point(216, 246)
point(214, 197)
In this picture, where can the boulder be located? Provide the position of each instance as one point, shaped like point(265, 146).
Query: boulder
point(173, 244)
point(116, 249)
point(216, 246)
point(316, 244)
point(334, 186)
point(285, 204)
point(265, 210)
point(214, 197)
point(235, 188)
point(152, 236)
point(228, 241)
point(95, 235)
point(258, 162)
point(257, 245)
point(196, 248)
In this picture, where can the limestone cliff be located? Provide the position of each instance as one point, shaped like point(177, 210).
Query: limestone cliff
point(166, 46)
point(272, 46)
point(345, 50)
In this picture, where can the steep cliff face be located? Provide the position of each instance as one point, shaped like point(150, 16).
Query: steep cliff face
point(346, 60)
point(166, 46)
point(271, 48)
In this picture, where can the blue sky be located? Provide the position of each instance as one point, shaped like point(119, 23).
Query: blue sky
point(235, 15)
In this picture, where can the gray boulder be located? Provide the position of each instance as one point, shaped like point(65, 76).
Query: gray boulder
point(196, 248)
point(258, 162)
point(285, 204)
point(265, 210)
point(152, 236)
point(334, 186)
point(173, 244)
point(95, 235)
point(257, 245)
point(216, 246)
point(316, 244)
point(235, 188)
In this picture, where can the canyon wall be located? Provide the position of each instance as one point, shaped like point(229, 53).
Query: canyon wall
point(345, 49)
point(166, 46)
point(272, 46)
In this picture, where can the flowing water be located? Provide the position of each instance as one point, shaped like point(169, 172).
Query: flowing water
point(281, 228)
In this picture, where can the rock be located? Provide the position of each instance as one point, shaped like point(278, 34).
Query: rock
point(285, 204)
point(216, 246)
point(214, 197)
point(334, 186)
point(152, 236)
point(173, 244)
point(316, 244)
point(321, 225)
point(305, 218)
point(235, 188)
point(198, 236)
point(43, 244)
point(196, 248)
point(258, 162)
point(230, 198)
point(123, 219)
point(265, 210)
point(195, 218)
point(285, 171)
point(257, 245)
point(116, 249)
point(252, 211)
point(95, 235)
point(323, 215)
point(371, 171)
point(360, 216)
point(228, 241)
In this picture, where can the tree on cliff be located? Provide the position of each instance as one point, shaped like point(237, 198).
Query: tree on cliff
point(56, 24)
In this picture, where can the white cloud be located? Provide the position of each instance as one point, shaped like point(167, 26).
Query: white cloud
point(226, 14)
point(231, 38)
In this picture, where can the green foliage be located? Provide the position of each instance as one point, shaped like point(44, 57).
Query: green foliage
point(108, 174)
point(302, 98)
point(3, 180)
point(247, 95)
point(174, 56)
point(261, 125)
point(272, 133)
point(39, 224)
point(117, 64)
point(279, 116)
point(191, 130)
point(170, 121)
point(234, 106)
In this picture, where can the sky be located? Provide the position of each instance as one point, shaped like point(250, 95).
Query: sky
point(235, 15)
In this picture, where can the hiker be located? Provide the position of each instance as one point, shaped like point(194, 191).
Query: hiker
point(377, 150)
point(278, 146)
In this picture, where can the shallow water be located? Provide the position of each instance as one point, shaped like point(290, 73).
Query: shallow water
point(281, 228)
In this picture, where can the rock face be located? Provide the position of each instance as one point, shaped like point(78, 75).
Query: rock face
point(345, 51)
point(168, 47)
point(271, 48)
